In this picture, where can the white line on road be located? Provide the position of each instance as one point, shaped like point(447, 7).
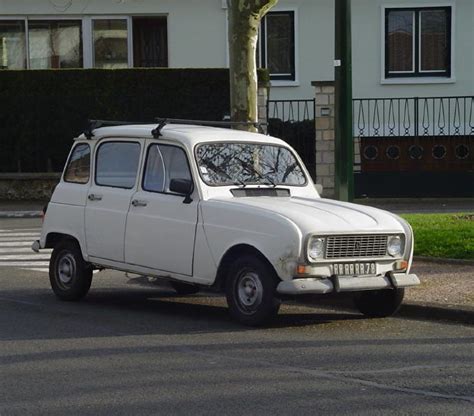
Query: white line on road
point(16, 243)
point(32, 256)
point(36, 269)
point(24, 230)
point(23, 263)
point(21, 250)
point(32, 238)
point(9, 235)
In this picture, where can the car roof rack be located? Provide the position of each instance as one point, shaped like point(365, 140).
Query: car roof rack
point(224, 123)
point(162, 122)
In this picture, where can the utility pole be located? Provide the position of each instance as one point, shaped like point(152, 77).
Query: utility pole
point(344, 146)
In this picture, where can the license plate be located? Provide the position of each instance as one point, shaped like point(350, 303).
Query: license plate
point(352, 269)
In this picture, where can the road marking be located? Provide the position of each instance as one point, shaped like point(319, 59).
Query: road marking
point(32, 256)
point(32, 238)
point(21, 250)
point(36, 269)
point(9, 234)
point(23, 263)
point(38, 230)
point(16, 243)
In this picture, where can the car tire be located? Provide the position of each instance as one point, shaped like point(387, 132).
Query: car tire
point(251, 291)
point(69, 274)
point(379, 303)
point(184, 288)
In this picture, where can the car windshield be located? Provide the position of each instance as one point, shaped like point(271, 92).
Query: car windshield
point(224, 164)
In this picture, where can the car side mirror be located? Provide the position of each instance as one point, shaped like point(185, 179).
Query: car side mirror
point(183, 187)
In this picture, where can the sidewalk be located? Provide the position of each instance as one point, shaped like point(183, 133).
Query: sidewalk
point(447, 287)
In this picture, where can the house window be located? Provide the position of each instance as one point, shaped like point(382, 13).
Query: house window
point(150, 43)
point(277, 45)
point(55, 44)
point(12, 44)
point(110, 38)
point(418, 42)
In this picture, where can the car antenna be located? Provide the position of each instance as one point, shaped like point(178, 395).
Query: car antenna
point(156, 132)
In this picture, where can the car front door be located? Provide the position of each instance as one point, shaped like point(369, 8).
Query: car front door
point(161, 224)
point(108, 200)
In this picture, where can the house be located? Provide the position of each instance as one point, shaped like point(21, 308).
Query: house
point(400, 48)
point(409, 56)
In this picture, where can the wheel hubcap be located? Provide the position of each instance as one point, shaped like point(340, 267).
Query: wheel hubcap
point(66, 269)
point(249, 291)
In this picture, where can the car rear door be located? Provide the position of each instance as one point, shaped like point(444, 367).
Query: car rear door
point(161, 225)
point(108, 201)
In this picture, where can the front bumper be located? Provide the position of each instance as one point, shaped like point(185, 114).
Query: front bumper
point(346, 284)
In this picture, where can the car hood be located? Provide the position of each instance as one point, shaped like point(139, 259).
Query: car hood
point(322, 215)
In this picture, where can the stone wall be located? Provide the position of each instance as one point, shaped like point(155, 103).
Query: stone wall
point(325, 135)
point(27, 186)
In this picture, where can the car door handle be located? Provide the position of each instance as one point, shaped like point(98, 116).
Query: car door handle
point(94, 197)
point(139, 203)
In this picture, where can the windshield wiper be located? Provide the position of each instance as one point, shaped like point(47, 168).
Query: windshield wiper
point(254, 171)
point(224, 173)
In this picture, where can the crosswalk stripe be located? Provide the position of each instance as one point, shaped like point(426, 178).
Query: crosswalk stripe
point(32, 238)
point(9, 235)
point(36, 269)
point(22, 230)
point(23, 263)
point(32, 256)
point(21, 250)
point(15, 243)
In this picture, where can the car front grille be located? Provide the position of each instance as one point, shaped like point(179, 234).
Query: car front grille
point(353, 246)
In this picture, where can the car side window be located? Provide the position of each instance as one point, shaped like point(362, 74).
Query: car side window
point(79, 165)
point(117, 164)
point(164, 163)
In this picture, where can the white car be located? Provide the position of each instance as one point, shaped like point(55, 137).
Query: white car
point(228, 210)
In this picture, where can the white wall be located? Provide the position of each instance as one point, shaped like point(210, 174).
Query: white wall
point(197, 38)
point(367, 26)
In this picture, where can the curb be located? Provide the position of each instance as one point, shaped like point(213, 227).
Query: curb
point(20, 214)
point(436, 312)
point(440, 260)
point(458, 314)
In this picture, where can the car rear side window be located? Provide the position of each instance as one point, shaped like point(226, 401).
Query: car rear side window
point(79, 165)
point(163, 164)
point(117, 164)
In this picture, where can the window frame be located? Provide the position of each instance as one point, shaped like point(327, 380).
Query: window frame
point(417, 73)
point(69, 161)
point(145, 165)
point(292, 79)
point(96, 155)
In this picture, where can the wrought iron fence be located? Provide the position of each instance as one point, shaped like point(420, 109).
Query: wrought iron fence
point(418, 134)
point(416, 116)
point(293, 121)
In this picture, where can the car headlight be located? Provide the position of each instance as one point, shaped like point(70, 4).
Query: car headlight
point(316, 248)
point(394, 246)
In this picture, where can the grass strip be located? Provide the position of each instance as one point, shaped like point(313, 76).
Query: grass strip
point(443, 235)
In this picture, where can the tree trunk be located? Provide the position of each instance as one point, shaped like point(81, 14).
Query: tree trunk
point(244, 23)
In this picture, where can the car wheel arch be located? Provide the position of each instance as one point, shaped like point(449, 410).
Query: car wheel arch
point(55, 238)
point(230, 256)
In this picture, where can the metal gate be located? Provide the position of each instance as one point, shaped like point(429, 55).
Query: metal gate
point(293, 122)
point(414, 147)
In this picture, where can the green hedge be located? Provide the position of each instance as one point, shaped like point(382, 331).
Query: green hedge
point(41, 111)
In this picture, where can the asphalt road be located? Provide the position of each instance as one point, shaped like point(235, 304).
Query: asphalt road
point(133, 347)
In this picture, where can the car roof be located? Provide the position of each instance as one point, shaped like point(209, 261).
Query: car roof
point(189, 135)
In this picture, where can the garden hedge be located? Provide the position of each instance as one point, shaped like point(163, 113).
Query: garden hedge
point(42, 110)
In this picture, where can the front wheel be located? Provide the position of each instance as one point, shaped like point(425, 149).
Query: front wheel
point(69, 274)
point(379, 303)
point(250, 291)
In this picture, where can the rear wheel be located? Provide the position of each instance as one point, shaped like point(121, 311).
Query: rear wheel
point(184, 288)
point(69, 274)
point(251, 291)
point(379, 303)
